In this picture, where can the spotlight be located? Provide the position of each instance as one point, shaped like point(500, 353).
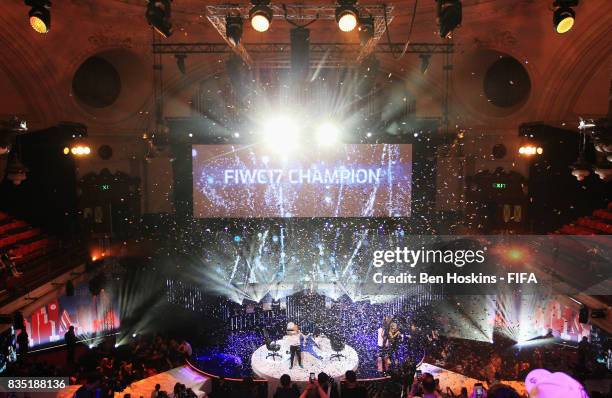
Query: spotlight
point(449, 16)
point(564, 15)
point(158, 16)
point(347, 15)
point(327, 134)
point(79, 150)
point(366, 30)
point(424, 62)
point(260, 15)
point(281, 133)
point(530, 150)
point(180, 63)
point(40, 16)
point(134, 335)
point(233, 29)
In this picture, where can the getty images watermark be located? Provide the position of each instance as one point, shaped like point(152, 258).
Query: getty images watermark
point(437, 261)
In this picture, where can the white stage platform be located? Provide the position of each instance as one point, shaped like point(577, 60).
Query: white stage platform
point(270, 369)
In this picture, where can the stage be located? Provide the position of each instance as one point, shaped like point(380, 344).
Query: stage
point(314, 360)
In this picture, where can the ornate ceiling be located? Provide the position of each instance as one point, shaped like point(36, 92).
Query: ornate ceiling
point(569, 74)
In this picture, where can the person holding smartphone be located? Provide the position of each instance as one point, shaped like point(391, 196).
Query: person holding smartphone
point(479, 391)
point(313, 389)
point(424, 386)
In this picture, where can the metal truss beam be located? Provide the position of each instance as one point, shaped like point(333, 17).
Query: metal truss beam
point(381, 14)
point(315, 48)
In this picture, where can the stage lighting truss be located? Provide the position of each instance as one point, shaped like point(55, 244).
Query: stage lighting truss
point(301, 13)
point(277, 55)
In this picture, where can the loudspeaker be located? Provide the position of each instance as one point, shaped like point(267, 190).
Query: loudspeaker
point(69, 289)
point(18, 321)
point(583, 316)
point(300, 53)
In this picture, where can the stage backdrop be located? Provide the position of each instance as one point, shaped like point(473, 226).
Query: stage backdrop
point(347, 180)
point(90, 316)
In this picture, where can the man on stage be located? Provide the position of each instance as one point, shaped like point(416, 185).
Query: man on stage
point(294, 337)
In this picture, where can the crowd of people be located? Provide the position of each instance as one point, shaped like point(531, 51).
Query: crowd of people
point(539, 383)
point(500, 361)
point(323, 386)
point(108, 367)
point(112, 368)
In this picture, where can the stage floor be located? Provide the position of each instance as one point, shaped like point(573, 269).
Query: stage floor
point(315, 360)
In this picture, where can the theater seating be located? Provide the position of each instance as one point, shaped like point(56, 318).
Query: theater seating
point(22, 241)
point(599, 223)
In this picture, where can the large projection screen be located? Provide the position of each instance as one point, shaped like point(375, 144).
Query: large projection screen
point(347, 180)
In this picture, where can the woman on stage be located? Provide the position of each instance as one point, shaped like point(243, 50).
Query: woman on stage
point(383, 342)
point(394, 338)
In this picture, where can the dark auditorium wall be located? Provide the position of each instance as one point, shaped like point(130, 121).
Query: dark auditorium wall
point(556, 197)
point(47, 198)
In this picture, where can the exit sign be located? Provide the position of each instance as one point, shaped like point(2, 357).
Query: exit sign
point(500, 185)
point(105, 187)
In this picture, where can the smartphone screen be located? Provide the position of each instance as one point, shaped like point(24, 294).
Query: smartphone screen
point(478, 390)
point(312, 377)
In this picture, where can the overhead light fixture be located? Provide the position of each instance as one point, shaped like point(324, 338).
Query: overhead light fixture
point(79, 150)
point(449, 16)
point(425, 58)
point(366, 29)
point(180, 63)
point(40, 15)
point(233, 29)
point(530, 150)
point(158, 16)
point(16, 172)
point(604, 172)
point(564, 15)
point(260, 15)
point(580, 169)
point(347, 15)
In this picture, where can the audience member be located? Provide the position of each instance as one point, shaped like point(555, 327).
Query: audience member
point(70, 339)
point(351, 389)
point(328, 385)
point(502, 391)
point(424, 387)
point(553, 385)
point(155, 393)
point(286, 388)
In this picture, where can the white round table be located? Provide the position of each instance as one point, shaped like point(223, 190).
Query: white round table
point(273, 369)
